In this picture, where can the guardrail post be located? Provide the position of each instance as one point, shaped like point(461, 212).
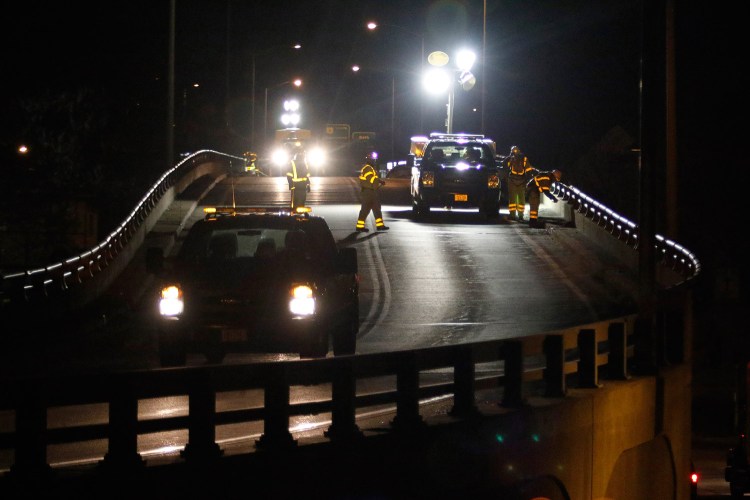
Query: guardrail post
point(201, 445)
point(276, 435)
point(588, 371)
point(554, 372)
point(343, 413)
point(122, 450)
point(617, 364)
point(31, 434)
point(407, 401)
point(512, 354)
point(464, 371)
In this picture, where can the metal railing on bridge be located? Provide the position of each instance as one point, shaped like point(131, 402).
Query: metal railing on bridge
point(60, 283)
point(546, 362)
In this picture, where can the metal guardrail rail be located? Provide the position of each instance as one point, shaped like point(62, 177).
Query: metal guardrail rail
point(58, 281)
point(548, 359)
point(670, 254)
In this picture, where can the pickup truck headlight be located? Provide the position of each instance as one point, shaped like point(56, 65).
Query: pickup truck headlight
point(301, 300)
point(171, 303)
point(428, 179)
point(316, 157)
point(493, 181)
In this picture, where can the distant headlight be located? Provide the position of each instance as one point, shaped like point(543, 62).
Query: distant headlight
point(279, 157)
point(302, 300)
point(316, 157)
point(493, 181)
point(171, 302)
point(428, 179)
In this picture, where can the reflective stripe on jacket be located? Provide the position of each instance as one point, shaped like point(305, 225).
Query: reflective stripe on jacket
point(519, 167)
point(368, 177)
point(293, 175)
point(541, 182)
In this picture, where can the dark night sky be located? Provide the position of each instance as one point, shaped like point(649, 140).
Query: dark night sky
point(559, 74)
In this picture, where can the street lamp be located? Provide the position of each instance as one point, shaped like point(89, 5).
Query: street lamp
point(373, 25)
point(439, 80)
point(296, 82)
point(356, 69)
point(296, 46)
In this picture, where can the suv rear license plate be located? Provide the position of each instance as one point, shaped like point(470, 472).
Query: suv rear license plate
point(460, 197)
point(233, 335)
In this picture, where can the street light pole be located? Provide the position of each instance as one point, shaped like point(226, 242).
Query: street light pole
point(449, 119)
point(296, 46)
point(297, 83)
point(393, 114)
point(372, 26)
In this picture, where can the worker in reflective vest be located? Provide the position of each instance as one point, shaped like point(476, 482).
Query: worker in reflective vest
point(518, 173)
point(251, 166)
point(298, 178)
point(369, 183)
point(538, 185)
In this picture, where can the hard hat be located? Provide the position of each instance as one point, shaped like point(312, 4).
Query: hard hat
point(515, 150)
point(251, 156)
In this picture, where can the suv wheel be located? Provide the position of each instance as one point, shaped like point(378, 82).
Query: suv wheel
point(491, 210)
point(420, 210)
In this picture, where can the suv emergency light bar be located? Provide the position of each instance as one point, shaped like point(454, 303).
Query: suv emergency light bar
point(232, 211)
point(467, 137)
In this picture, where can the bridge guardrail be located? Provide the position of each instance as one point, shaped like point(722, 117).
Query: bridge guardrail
point(670, 253)
point(55, 285)
point(581, 352)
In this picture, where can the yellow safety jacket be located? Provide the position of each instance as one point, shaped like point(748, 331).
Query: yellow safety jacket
point(368, 177)
point(294, 176)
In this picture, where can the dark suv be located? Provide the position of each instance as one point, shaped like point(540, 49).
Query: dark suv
point(257, 280)
point(456, 171)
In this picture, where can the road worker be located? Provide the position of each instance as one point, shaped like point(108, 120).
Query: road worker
point(538, 185)
point(518, 172)
point(370, 183)
point(298, 178)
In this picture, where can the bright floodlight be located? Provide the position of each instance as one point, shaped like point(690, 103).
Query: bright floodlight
point(372, 25)
point(465, 60)
point(279, 157)
point(297, 82)
point(291, 105)
point(290, 119)
point(355, 68)
point(436, 81)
